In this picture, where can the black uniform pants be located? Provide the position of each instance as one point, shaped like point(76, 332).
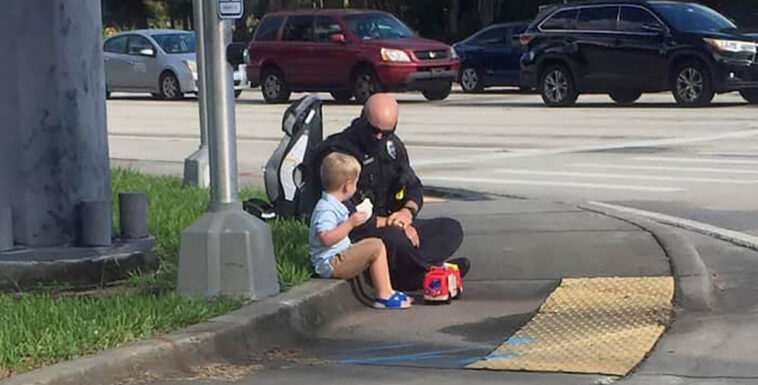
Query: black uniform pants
point(439, 238)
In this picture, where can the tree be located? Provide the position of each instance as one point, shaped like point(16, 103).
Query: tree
point(125, 14)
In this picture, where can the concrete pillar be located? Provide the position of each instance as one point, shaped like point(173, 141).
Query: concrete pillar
point(54, 150)
point(132, 208)
point(6, 228)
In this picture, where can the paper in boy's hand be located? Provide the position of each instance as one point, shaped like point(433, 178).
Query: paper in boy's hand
point(366, 207)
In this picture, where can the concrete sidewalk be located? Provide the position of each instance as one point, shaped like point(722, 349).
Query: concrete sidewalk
point(520, 250)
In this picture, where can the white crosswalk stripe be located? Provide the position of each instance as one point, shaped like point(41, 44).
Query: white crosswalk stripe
point(694, 160)
point(555, 183)
point(665, 168)
point(666, 178)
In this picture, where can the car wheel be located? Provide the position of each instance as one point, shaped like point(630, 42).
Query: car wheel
point(471, 82)
point(274, 88)
point(438, 93)
point(557, 87)
point(365, 84)
point(237, 93)
point(625, 96)
point(342, 96)
point(692, 85)
point(750, 95)
point(169, 87)
point(107, 94)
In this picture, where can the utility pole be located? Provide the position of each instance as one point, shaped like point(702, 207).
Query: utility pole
point(226, 251)
point(197, 170)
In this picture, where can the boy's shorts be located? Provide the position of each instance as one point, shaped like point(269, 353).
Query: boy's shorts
point(356, 258)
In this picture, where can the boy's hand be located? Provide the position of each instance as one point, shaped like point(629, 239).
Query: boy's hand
point(358, 218)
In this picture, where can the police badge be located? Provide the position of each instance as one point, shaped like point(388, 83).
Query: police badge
point(391, 150)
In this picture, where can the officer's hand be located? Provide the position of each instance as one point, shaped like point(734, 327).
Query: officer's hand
point(400, 218)
point(412, 235)
point(358, 218)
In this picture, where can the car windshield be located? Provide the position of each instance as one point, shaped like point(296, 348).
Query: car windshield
point(176, 43)
point(694, 17)
point(370, 26)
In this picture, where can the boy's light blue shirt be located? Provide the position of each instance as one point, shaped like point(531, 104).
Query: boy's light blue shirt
point(328, 214)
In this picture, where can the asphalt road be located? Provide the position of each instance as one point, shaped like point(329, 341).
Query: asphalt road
point(698, 164)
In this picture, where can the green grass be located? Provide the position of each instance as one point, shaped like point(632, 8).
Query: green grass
point(44, 327)
point(36, 330)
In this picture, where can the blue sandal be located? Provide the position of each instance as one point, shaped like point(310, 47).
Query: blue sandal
point(398, 300)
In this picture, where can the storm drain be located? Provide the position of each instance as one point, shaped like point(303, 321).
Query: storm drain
point(590, 325)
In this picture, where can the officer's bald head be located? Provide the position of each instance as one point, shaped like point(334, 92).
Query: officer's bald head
point(381, 110)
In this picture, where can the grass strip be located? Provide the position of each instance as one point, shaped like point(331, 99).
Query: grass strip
point(43, 328)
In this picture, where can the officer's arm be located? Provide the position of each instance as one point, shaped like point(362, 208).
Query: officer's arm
point(414, 190)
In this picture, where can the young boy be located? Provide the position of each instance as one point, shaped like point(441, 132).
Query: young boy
point(332, 254)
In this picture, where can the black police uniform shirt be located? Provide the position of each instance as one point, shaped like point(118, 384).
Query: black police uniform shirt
point(386, 176)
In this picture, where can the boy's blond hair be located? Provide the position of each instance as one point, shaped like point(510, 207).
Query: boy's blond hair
point(338, 168)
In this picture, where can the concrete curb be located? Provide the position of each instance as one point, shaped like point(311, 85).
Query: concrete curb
point(695, 289)
point(276, 321)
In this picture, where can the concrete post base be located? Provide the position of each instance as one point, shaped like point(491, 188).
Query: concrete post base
point(197, 170)
point(227, 252)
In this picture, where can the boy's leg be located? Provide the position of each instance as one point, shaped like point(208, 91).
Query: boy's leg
point(368, 253)
point(356, 258)
point(380, 275)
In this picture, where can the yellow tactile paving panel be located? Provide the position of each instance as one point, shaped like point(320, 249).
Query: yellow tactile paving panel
point(590, 325)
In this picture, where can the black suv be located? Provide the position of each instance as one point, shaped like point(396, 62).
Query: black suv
point(625, 48)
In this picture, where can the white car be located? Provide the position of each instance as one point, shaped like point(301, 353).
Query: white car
point(159, 61)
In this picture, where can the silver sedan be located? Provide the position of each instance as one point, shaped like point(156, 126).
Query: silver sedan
point(159, 61)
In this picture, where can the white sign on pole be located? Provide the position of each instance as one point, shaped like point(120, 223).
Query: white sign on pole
point(230, 9)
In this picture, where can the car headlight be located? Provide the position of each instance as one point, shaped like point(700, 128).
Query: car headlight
point(192, 67)
point(732, 45)
point(394, 55)
point(453, 54)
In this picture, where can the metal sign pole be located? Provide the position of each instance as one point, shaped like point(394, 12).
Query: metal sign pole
point(196, 166)
point(226, 251)
point(220, 81)
point(200, 67)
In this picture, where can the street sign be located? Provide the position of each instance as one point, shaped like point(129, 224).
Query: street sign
point(230, 9)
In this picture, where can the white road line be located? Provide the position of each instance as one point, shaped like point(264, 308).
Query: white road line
point(739, 238)
point(730, 153)
point(664, 168)
point(556, 151)
point(665, 178)
point(242, 138)
point(527, 182)
point(694, 160)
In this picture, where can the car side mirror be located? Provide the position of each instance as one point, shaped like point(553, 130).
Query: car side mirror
point(338, 38)
point(147, 52)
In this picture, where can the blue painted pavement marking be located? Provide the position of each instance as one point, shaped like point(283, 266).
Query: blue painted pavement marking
point(515, 341)
point(409, 357)
point(500, 355)
point(377, 348)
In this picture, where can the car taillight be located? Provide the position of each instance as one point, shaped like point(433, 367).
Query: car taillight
point(525, 39)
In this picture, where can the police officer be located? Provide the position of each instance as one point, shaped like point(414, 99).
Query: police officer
point(413, 245)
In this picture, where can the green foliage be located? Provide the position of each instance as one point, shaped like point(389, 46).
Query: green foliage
point(172, 207)
point(42, 328)
point(36, 330)
point(448, 20)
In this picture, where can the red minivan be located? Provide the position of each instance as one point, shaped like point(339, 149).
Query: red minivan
point(349, 53)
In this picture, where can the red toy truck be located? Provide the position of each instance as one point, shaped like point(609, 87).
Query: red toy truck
point(443, 283)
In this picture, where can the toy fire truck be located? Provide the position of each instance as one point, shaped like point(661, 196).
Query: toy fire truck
point(443, 283)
